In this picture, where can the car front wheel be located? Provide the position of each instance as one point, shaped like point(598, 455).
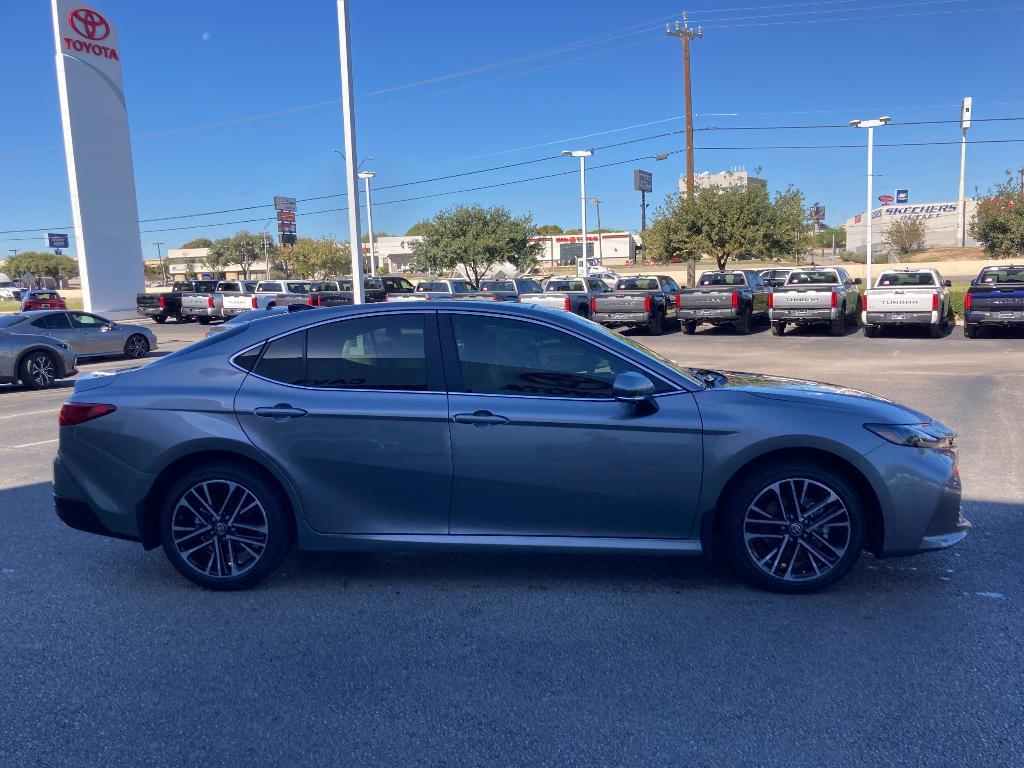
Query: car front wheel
point(37, 370)
point(224, 527)
point(794, 527)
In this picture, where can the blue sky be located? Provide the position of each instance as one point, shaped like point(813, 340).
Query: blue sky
point(233, 102)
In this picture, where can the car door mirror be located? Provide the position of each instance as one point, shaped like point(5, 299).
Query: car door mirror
point(857, 281)
point(635, 389)
point(948, 283)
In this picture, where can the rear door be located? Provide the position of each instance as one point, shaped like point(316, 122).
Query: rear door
point(58, 326)
point(355, 413)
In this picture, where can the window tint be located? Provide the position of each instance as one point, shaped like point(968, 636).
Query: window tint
point(670, 284)
point(911, 279)
point(497, 285)
point(270, 287)
point(723, 278)
point(529, 286)
point(812, 278)
point(553, 286)
point(597, 286)
point(460, 287)
point(82, 320)
point(284, 360)
point(638, 284)
point(368, 353)
point(432, 287)
point(247, 360)
point(58, 321)
point(512, 357)
point(298, 287)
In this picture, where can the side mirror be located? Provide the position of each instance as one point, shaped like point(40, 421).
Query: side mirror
point(948, 283)
point(635, 389)
point(857, 281)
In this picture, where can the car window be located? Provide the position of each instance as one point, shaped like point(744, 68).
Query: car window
point(460, 287)
point(564, 285)
point(7, 321)
point(812, 278)
point(44, 295)
point(82, 320)
point(432, 287)
point(284, 359)
point(500, 356)
point(530, 286)
point(597, 286)
point(905, 279)
point(497, 285)
point(722, 278)
point(270, 287)
point(637, 284)
point(1002, 275)
point(670, 284)
point(57, 321)
point(368, 353)
point(298, 287)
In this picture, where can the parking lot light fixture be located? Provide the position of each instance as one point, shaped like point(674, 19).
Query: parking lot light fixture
point(582, 154)
point(870, 125)
point(366, 176)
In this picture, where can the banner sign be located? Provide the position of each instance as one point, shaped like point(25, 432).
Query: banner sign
point(902, 196)
point(56, 240)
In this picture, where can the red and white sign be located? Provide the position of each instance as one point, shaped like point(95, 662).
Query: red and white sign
point(85, 29)
point(886, 199)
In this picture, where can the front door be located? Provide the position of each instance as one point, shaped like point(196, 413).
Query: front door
point(97, 334)
point(354, 412)
point(541, 448)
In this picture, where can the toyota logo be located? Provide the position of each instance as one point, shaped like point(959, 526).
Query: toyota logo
point(89, 24)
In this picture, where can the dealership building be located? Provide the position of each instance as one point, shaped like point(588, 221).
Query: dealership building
point(941, 223)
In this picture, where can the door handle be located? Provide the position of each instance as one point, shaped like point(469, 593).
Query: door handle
point(279, 412)
point(480, 418)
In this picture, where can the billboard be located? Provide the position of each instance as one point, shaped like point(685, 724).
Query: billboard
point(56, 240)
point(94, 116)
point(643, 181)
point(902, 196)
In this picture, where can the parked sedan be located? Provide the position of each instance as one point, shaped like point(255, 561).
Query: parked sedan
point(282, 433)
point(37, 299)
point(37, 362)
point(88, 335)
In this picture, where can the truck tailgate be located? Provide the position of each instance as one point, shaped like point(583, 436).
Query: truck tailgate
point(549, 300)
point(998, 300)
point(706, 298)
point(622, 302)
point(802, 298)
point(900, 300)
point(199, 301)
point(238, 302)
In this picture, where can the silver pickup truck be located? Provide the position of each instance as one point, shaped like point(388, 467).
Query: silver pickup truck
point(815, 296)
point(571, 294)
point(908, 297)
point(435, 290)
point(210, 306)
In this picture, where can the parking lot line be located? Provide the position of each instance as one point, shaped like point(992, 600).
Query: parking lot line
point(29, 445)
point(26, 413)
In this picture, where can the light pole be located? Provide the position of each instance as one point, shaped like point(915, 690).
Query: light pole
point(582, 154)
point(163, 267)
point(600, 243)
point(266, 249)
point(366, 176)
point(965, 123)
point(870, 125)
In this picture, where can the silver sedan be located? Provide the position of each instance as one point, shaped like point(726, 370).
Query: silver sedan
point(465, 424)
point(88, 335)
point(34, 361)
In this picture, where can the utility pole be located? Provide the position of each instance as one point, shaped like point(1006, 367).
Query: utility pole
point(351, 177)
point(163, 267)
point(1019, 170)
point(685, 33)
point(600, 238)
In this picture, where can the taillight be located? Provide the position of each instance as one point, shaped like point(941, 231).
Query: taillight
point(495, 298)
point(593, 306)
point(163, 302)
point(679, 300)
point(209, 302)
point(567, 305)
point(79, 413)
point(735, 299)
point(771, 300)
point(967, 301)
point(935, 302)
point(313, 300)
point(254, 302)
point(864, 302)
point(647, 303)
point(835, 299)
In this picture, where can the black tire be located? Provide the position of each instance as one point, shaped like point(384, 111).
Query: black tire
point(689, 327)
point(136, 346)
point(745, 323)
point(870, 331)
point(790, 571)
point(160, 319)
point(778, 328)
point(971, 330)
point(583, 311)
point(936, 331)
point(227, 535)
point(37, 370)
point(656, 325)
point(838, 326)
point(205, 320)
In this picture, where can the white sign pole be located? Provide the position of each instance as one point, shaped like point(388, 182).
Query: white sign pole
point(351, 173)
point(94, 116)
point(871, 178)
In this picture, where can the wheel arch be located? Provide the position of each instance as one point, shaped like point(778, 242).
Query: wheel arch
point(874, 535)
point(57, 360)
point(148, 509)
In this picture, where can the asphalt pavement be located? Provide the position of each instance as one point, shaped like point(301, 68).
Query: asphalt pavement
point(109, 657)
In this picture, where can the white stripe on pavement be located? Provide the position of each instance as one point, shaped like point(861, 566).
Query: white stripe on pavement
point(41, 442)
point(27, 413)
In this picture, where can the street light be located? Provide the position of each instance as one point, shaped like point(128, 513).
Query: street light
point(266, 250)
point(870, 125)
point(366, 176)
point(582, 154)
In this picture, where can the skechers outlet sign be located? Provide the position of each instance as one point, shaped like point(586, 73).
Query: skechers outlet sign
point(89, 33)
point(917, 212)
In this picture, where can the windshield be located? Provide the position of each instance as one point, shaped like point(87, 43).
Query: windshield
point(723, 278)
point(688, 373)
point(637, 284)
point(774, 274)
point(906, 280)
point(1002, 275)
point(827, 277)
point(298, 287)
point(497, 285)
point(563, 285)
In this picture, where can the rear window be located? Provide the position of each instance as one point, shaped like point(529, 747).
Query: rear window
point(1002, 275)
point(813, 278)
point(298, 287)
point(637, 284)
point(774, 274)
point(563, 285)
point(723, 278)
point(903, 279)
point(45, 295)
point(270, 287)
point(497, 285)
point(432, 288)
point(458, 287)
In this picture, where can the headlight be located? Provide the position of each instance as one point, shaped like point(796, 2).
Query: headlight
point(930, 435)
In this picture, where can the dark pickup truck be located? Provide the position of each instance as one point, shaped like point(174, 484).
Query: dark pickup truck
point(337, 291)
point(508, 290)
point(737, 298)
point(649, 301)
point(161, 306)
point(996, 297)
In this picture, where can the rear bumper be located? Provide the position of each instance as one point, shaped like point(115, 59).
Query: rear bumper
point(201, 311)
point(709, 314)
point(901, 318)
point(80, 516)
point(977, 317)
point(795, 315)
point(235, 311)
point(621, 318)
point(152, 311)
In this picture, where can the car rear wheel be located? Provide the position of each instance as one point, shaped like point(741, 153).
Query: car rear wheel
point(744, 325)
point(690, 327)
point(37, 370)
point(870, 331)
point(137, 346)
point(936, 331)
point(838, 327)
point(160, 319)
point(794, 527)
point(204, 320)
point(656, 325)
point(971, 330)
point(778, 328)
point(224, 527)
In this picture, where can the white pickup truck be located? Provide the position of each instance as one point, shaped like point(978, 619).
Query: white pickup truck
point(918, 297)
point(268, 293)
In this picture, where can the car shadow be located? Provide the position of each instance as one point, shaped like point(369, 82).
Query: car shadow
point(759, 328)
point(820, 329)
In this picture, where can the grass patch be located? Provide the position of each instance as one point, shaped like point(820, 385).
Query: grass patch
point(15, 306)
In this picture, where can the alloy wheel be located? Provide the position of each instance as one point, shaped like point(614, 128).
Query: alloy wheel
point(137, 346)
point(41, 370)
point(219, 529)
point(797, 530)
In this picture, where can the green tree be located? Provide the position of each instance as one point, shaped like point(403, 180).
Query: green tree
point(40, 264)
point(199, 242)
point(153, 272)
point(904, 235)
point(998, 223)
point(550, 229)
point(728, 223)
point(243, 249)
point(217, 256)
point(418, 228)
point(319, 257)
point(376, 236)
point(477, 238)
point(824, 237)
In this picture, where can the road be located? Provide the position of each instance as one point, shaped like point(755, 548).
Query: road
point(108, 657)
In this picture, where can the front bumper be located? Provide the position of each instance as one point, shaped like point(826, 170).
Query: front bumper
point(975, 317)
point(900, 318)
point(709, 314)
point(796, 315)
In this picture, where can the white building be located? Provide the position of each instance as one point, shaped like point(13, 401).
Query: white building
point(734, 177)
point(942, 223)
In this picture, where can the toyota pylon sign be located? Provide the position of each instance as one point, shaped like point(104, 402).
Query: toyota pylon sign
point(94, 115)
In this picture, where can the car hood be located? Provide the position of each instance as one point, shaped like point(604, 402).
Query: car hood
point(801, 392)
